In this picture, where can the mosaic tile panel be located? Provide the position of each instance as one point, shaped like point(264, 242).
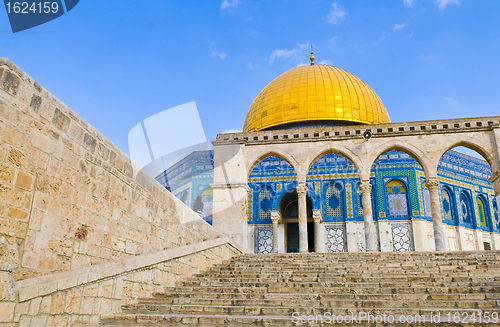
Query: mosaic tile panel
point(384, 174)
point(465, 208)
point(398, 206)
point(336, 238)
point(427, 203)
point(265, 203)
point(263, 239)
point(401, 236)
point(348, 191)
point(334, 201)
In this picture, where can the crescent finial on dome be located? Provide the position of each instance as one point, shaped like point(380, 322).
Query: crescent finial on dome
point(312, 56)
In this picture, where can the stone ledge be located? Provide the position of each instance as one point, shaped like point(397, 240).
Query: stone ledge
point(40, 286)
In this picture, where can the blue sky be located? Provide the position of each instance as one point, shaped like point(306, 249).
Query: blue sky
point(116, 63)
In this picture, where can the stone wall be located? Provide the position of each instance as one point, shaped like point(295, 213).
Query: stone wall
point(79, 296)
point(70, 199)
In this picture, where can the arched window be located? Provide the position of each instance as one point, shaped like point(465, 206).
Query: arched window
point(265, 203)
point(427, 200)
point(207, 195)
point(185, 197)
point(396, 198)
point(448, 208)
point(465, 208)
point(334, 203)
point(481, 209)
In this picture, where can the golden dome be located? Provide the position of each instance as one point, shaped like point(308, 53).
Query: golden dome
point(315, 93)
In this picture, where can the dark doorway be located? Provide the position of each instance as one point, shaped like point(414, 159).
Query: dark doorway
point(288, 207)
point(292, 237)
point(310, 237)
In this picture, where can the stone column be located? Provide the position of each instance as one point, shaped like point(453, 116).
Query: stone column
point(370, 229)
point(437, 216)
point(318, 235)
point(275, 217)
point(302, 193)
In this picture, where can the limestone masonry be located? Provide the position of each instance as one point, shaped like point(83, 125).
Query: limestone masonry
point(77, 218)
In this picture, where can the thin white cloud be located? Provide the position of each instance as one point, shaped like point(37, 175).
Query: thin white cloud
point(229, 4)
point(325, 62)
point(221, 55)
point(408, 3)
point(450, 100)
point(443, 3)
point(336, 13)
point(300, 51)
point(232, 130)
point(303, 64)
point(398, 26)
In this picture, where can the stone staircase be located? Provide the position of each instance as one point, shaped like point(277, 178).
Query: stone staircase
point(321, 289)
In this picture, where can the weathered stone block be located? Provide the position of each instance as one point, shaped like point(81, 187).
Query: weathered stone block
point(21, 309)
point(10, 83)
point(35, 306)
point(45, 305)
point(60, 321)
point(24, 181)
point(73, 300)
point(58, 303)
point(60, 120)
point(42, 142)
point(36, 102)
point(7, 311)
point(38, 321)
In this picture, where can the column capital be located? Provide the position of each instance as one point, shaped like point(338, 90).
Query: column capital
point(365, 187)
point(275, 216)
point(302, 189)
point(317, 216)
point(432, 184)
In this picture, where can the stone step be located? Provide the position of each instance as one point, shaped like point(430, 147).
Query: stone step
point(190, 297)
point(425, 317)
point(234, 294)
point(266, 289)
point(391, 300)
point(363, 289)
point(332, 267)
point(330, 279)
point(320, 308)
point(275, 286)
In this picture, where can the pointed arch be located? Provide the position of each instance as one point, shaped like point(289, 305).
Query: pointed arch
point(473, 144)
point(407, 148)
point(272, 153)
point(346, 153)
